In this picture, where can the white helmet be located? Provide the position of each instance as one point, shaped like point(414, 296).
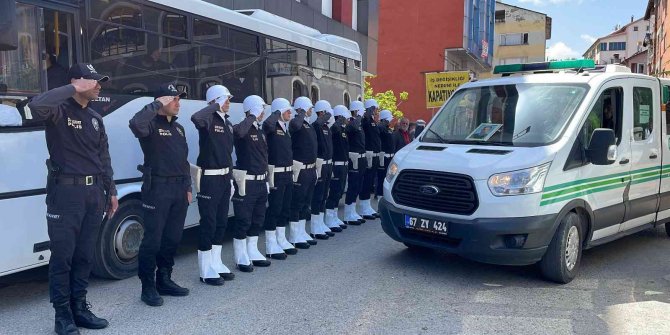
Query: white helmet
point(340, 110)
point(254, 105)
point(386, 115)
point(371, 103)
point(323, 106)
point(217, 91)
point(420, 122)
point(281, 105)
point(303, 103)
point(357, 106)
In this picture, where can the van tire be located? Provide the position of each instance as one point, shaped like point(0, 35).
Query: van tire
point(557, 265)
point(667, 228)
point(125, 229)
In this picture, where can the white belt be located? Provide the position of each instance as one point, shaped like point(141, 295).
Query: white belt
point(309, 166)
point(359, 155)
point(327, 161)
point(389, 155)
point(219, 172)
point(255, 177)
point(283, 169)
point(339, 163)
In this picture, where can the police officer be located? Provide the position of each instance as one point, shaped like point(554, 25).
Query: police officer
point(280, 159)
point(80, 179)
point(215, 182)
point(251, 189)
point(373, 148)
point(357, 163)
point(304, 145)
point(340, 159)
point(166, 192)
point(324, 169)
point(388, 149)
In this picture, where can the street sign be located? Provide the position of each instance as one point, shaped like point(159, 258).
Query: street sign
point(440, 86)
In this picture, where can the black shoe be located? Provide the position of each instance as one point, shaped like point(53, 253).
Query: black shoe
point(311, 242)
point(245, 268)
point(337, 229)
point(292, 251)
point(227, 276)
point(377, 215)
point(150, 295)
point(361, 220)
point(280, 257)
point(330, 233)
point(212, 281)
point(343, 226)
point(319, 237)
point(83, 317)
point(165, 285)
point(369, 217)
point(301, 245)
point(63, 323)
point(261, 263)
point(353, 223)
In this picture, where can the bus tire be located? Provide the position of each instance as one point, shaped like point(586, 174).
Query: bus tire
point(119, 242)
point(562, 259)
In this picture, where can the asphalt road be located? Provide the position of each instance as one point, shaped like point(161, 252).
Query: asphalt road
point(362, 282)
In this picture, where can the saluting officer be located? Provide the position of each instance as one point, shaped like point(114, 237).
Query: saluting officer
point(388, 148)
point(304, 146)
point(280, 159)
point(166, 192)
point(357, 163)
point(324, 169)
point(215, 185)
point(251, 189)
point(80, 174)
point(373, 148)
point(340, 159)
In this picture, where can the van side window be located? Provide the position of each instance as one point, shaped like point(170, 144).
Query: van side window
point(643, 113)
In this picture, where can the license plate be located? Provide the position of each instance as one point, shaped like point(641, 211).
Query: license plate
point(426, 225)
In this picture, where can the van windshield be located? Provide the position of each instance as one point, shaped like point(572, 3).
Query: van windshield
point(506, 115)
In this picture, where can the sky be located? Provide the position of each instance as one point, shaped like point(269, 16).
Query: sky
point(577, 23)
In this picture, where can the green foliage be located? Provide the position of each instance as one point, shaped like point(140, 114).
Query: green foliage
point(386, 100)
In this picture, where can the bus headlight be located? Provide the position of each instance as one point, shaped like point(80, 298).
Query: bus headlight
point(392, 171)
point(519, 182)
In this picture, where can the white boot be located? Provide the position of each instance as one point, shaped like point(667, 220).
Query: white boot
point(317, 228)
point(350, 215)
point(365, 210)
point(289, 249)
point(241, 257)
point(207, 273)
point(218, 265)
point(272, 248)
point(296, 237)
point(302, 230)
point(331, 221)
point(252, 250)
point(322, 224)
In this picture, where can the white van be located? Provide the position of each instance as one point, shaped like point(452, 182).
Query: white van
point(535, 168)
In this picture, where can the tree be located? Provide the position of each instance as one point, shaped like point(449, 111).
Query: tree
point(386, 100)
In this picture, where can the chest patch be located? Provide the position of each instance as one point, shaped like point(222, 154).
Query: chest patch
point(218, 129)
point(254, 137)
point(280, 132)
point(164, 132)
point(75, 124)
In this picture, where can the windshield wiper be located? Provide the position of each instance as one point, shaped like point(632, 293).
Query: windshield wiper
point(442, 140)
point(521, 133)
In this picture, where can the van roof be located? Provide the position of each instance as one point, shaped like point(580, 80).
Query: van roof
point(586, 77)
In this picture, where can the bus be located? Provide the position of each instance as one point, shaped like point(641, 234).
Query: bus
point(139, 45)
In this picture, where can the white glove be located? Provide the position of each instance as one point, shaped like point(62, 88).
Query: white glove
point(232, 190)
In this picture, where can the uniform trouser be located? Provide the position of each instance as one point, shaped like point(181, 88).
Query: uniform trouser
point(250, 209)
point(279, 201)
point(303, 190)
point(337, 184)
point(369, 179)
point(321, 189)
point(355, 180)
point(381, 174)
point(213, 205)
point(74, 215)
point(165, 206)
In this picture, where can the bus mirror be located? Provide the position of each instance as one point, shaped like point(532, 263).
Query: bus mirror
point(602, 147)
point(9, 35)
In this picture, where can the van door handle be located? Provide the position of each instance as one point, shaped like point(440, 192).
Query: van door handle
point(653, 156)
point(624, 161)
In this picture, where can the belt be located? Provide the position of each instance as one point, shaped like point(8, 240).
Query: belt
point(389, 155)
point(255, 177)
point(168, 180)
point(327, 161)
point(359, 155)
point(339, 163)
point(77, 180)
point(219, 172)
point(283, 169)
point(309, 166)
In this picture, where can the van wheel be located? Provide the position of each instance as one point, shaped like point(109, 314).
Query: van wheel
point(561, 261)
point(119, 242)
point(667, 228)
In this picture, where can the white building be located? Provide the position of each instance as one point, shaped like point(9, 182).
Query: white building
point(620, 44)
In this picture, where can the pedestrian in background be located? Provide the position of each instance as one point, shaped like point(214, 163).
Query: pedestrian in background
point(401, 135)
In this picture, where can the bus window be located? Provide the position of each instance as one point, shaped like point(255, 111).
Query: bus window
point(21, 68)
point(59, 44)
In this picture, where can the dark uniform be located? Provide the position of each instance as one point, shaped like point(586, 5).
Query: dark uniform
point(388, 148)
point(372, 144)
point(340, 159)
point(325, 152)
point(305, 151)
point(166, 182)
point(280, 154)
point(216, 148)
point(80, 180)
point(356, 140)
point(401, 139)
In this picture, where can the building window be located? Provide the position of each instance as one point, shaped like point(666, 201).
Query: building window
point(298, 89)
point(314, 94)
point(514, 39)
point(617, 46)
point(500, 16)
point(347, 99)
point(603, 46)
point(634, 28)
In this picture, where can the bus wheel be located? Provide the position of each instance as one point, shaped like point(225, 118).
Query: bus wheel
point(561, 262)
point(119, 243)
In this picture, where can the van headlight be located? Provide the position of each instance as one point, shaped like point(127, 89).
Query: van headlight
point(519, 182)
point(392, 171)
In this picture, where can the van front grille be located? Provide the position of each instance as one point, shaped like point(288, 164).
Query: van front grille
point(436, 191)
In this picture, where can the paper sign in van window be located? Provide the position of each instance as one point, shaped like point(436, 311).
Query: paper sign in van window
point(644, 114)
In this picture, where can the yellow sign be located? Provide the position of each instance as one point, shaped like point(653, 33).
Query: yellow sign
point(441, 85)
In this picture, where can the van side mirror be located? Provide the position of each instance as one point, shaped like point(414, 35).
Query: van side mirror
point(602, 147)
point(9, 34)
